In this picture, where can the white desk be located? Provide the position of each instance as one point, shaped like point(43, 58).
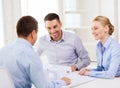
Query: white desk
point(77, 80)
point(102, 83)
point(56, 72)
point(85, 81)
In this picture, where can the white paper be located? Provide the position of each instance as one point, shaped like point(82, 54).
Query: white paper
point(77, 79)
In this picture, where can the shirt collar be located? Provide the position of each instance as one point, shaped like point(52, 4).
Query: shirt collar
point(61, 40)
point(24, 41)
point(107, 43)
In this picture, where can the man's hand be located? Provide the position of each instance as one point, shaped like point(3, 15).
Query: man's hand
point(73, 68)
point(67, 80)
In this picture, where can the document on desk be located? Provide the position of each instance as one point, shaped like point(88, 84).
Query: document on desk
point(77, 79)
point(55, 72)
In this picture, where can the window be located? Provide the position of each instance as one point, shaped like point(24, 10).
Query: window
point(38, 9)
point(1, 27)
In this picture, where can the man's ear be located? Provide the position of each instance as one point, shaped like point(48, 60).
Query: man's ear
point(33, 34)
point(60, 23)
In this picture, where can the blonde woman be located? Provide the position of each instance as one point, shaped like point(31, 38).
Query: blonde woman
point(107, 50)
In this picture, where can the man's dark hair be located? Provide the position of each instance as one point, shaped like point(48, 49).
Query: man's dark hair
point(51, 16)
point(26, 25)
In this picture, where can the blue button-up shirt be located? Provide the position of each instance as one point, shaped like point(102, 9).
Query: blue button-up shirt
point(64, 52)
point(25, 66)
point(109, 62)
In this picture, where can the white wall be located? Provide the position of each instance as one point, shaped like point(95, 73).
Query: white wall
point(11, 13)
point(1, 26)
point(38, 9)
point(83, 12)
point(109, 8)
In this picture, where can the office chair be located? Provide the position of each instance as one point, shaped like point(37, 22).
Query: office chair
point(5, 79)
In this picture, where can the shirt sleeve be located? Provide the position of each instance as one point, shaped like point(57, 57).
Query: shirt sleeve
point(56, 84)
point(32, 67)
point(81, 53)
point(112, 69)
point(38, 77)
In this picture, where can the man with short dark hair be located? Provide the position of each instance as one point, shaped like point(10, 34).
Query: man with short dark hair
point(61, 47)
point(21, 60)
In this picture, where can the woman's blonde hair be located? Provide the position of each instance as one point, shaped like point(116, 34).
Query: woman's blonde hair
point(105, 21)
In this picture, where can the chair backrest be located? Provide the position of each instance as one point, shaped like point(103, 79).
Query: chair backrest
point(5, 79)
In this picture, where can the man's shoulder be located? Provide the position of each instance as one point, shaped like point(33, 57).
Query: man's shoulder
point(70, 34)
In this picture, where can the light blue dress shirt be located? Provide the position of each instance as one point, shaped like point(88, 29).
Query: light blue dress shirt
point(64, 52)
point(25, 66)
point(109, 63)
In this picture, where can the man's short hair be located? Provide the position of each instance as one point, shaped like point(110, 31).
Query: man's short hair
point(26, 25)
point(51, 16)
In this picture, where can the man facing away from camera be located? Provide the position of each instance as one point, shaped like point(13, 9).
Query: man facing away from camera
point(22, 61)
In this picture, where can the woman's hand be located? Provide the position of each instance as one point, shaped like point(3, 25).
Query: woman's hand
point(84, 71)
